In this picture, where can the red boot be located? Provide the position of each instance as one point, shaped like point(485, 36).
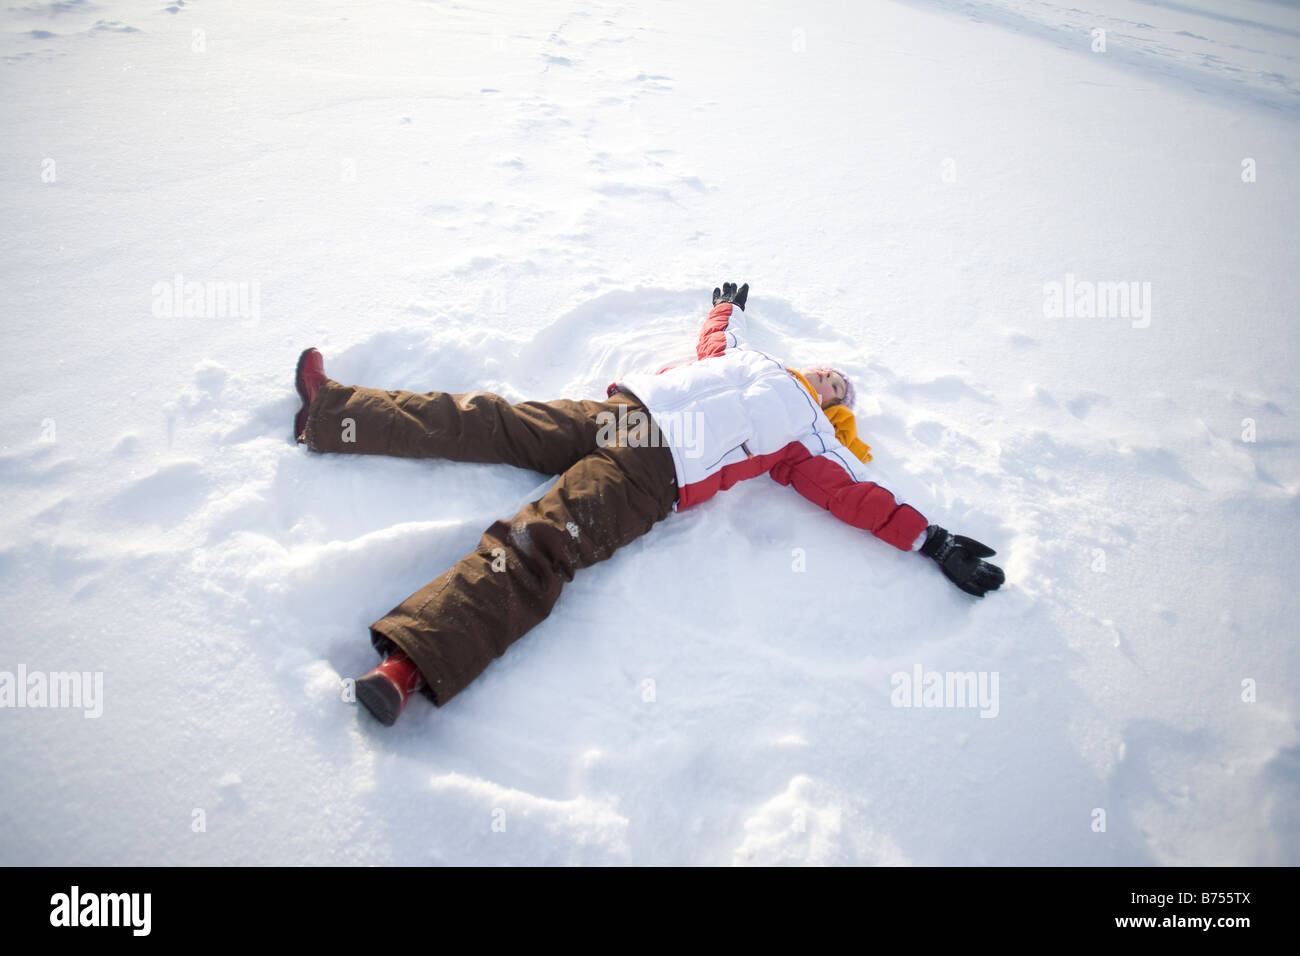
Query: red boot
point(387, 688)
point(308, 379)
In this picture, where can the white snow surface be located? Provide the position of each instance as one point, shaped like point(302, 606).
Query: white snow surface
point(533, 198)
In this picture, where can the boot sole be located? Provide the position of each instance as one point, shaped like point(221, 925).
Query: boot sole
point(380, 697)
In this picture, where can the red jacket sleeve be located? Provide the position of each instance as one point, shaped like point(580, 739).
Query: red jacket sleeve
point(723, 329)
point(828, 481)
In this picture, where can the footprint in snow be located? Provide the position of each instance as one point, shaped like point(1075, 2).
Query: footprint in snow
point(112, 26)
point(945, 388)
point(164, 497)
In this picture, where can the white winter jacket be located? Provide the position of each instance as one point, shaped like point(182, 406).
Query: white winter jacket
point(736, 413)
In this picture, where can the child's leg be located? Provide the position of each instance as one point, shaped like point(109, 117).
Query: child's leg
point(471, 426)
point(456, 625)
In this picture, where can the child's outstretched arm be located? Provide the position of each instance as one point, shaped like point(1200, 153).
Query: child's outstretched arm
point(725, 327)
point(835, 480)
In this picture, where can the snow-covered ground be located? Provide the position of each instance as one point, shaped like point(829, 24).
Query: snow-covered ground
point(531, 199)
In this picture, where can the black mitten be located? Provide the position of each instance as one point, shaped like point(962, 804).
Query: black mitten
point(729, 293)
point(961, 560)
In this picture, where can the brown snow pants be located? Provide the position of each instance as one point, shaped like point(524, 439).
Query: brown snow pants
point(608, 494)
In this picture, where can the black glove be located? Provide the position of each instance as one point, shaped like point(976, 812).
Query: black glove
point(960, 560)
point(729, 293)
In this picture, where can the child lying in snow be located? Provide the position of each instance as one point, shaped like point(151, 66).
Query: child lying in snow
point(732, 414)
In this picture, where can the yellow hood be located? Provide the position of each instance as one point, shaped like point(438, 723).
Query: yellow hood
point(841, 416)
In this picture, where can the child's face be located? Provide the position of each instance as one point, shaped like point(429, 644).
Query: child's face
point(829, 385)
